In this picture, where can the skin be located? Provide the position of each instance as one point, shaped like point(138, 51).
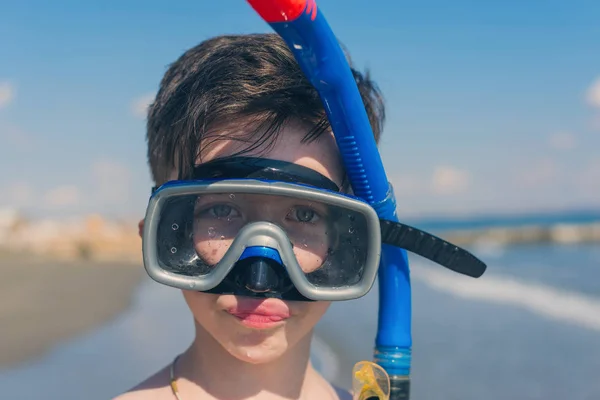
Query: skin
point(218, 218)
point(229, 360)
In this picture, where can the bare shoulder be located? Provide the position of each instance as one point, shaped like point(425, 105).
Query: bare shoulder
point(155, 387)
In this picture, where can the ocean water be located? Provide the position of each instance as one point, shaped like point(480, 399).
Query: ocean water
point(528, 329)
point(541, 219)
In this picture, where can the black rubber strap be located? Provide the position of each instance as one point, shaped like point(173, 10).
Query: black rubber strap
point(432, 248)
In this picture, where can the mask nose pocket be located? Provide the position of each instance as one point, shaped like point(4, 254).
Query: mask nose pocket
point(259, 275)
point(260, 270)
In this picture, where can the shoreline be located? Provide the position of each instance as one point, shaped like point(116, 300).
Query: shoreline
point(95, 238)
point(559, 234)
point(44, 303)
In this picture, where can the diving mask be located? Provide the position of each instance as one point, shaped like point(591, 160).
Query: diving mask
point(266, 228)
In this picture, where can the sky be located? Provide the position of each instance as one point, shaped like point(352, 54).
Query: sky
point(493, 107)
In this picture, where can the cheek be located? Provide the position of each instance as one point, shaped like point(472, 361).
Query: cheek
point(309, 260)
point(211, 251)
point(211, 242)
point(202, 305)
point(311, 250)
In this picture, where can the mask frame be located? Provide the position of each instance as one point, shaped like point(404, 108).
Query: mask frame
point(264, 235)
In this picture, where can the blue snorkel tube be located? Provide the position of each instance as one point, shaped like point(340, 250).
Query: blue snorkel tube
point(307, 33)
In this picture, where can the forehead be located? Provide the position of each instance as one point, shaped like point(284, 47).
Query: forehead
point(321, 155)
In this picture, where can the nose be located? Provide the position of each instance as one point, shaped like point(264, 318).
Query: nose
point(262, 275)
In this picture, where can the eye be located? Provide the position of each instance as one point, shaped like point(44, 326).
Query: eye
point(223, 211)
point(217, 211)
point(303, 214)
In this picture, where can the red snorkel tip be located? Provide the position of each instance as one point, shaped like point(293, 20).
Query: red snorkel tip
point(273, 11)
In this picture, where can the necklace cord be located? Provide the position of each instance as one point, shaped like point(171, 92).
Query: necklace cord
point(173, 379)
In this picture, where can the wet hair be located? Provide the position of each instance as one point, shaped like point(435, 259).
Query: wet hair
point(251, 79)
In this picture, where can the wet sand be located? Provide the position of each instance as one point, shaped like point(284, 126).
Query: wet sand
point(44, 302)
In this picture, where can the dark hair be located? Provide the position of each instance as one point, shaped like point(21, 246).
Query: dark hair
point(247, 78)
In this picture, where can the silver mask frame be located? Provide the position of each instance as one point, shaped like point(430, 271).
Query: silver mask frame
point(259, 234)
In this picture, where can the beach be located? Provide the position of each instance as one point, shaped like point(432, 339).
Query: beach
point(44, 302)
point(529, 329)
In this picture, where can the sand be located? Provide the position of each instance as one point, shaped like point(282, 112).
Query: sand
point(45, 302)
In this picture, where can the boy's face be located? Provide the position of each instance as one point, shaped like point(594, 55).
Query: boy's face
point(257, 343)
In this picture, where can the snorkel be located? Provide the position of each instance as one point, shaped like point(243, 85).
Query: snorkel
point(306, 31)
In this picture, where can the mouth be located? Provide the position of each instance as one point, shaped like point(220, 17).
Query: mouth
point(260, 313)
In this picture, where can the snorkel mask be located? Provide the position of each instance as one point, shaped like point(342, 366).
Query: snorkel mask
point(266, 228)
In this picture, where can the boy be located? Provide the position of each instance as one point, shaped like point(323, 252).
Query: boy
point(230, 96)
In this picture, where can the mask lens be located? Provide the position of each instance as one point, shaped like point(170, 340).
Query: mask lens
point(328, 241)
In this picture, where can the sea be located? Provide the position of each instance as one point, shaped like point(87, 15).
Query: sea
point(529, 329)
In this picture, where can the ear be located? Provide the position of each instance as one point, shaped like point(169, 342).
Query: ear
point(141, 227)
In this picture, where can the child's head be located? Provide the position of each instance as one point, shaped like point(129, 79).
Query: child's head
point(246, 95)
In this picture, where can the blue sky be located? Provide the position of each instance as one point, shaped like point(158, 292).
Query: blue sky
point(492, 105)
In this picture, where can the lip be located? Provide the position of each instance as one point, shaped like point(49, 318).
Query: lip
point(260, 313)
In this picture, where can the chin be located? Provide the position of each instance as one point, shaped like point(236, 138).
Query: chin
point(260, 344)
point(263, 352)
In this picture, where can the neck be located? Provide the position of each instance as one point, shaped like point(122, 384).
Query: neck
point(210, 369)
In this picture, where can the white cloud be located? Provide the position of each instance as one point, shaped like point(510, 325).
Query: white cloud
point(113, 182)
point(593, 94)
point(7, 94)
point(563, 141)
point(448, 180)
point(139, 107)
point(62, 196)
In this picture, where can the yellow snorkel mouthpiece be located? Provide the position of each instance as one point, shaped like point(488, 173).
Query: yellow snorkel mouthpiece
point(370, 382)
